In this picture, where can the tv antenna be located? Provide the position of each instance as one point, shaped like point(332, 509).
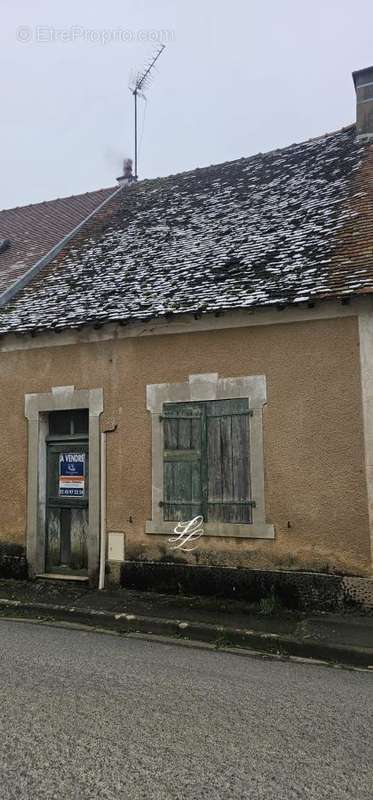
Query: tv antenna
point(137, 87)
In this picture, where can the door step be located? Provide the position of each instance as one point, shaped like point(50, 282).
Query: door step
point(56, 576)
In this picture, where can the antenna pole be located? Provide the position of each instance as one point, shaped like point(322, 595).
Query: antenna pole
point(139, 86)
point(135, 99)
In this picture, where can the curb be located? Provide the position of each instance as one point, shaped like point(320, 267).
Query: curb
point(219, 635)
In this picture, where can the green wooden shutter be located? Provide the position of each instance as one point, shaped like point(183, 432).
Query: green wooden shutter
point(228, 461)
point(182, 461)
point(207, 461)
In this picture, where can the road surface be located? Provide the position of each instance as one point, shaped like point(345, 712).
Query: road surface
point(87, 715)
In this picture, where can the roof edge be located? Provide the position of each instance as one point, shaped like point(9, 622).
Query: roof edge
point(25, 279)
point(188, 322)
point(251, 157)
point(10, 209)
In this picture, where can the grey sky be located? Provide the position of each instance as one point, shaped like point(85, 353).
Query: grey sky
point(236, 77)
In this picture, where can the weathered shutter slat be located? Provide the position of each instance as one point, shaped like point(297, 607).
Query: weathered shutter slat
point(241, 467)
point(228, 512)
point(169, 489)
point(170, 443)
point(183, 489)
point(170, 433)
point(184, 434)
point(214, 471)
point(196, 433)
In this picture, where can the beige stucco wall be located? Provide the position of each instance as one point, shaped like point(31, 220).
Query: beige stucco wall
point(313, 435)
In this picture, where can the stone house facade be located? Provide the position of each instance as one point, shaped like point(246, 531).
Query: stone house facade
point(196, 345)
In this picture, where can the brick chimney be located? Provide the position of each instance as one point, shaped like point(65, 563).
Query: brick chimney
point(363, 80)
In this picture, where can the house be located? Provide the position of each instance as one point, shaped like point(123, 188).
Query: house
point(200, 344)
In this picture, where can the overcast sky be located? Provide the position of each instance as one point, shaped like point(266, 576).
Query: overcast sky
point(236, 77)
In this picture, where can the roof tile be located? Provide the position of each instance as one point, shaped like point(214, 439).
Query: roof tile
point(284, 227)
point(35, 229)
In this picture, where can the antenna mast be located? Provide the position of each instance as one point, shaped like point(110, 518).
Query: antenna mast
point(138, 87)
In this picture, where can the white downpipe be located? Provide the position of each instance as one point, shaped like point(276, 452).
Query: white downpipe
point(101, 579)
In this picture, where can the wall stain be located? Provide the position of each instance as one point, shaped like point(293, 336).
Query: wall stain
point(301, 591)
point(13, 562)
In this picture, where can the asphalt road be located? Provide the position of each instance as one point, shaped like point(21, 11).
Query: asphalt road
point(87, 715)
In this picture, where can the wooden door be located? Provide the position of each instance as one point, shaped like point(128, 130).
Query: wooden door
point(67, 506)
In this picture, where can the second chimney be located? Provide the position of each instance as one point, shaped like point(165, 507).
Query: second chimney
point(363, 80)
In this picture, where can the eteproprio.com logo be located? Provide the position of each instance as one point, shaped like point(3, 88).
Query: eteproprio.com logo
point(47, 34)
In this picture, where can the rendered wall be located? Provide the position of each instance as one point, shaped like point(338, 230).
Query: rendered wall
point(313, 436)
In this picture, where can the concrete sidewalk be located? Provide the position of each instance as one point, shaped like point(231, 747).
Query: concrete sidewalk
point(345, 639)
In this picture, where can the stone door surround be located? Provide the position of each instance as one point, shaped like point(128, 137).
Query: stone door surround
point(37, 407)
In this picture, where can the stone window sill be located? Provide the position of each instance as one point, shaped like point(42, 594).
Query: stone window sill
point(232, 530)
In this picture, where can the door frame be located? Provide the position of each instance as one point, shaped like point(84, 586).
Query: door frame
point(37, 408)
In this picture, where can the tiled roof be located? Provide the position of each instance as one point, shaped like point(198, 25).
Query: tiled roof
point(34, 230)
point(283, 227)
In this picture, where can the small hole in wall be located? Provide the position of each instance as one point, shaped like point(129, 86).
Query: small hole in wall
point(130, 518)
point(289, 524)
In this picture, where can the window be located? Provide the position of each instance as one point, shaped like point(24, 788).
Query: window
point(68, 423)
point(206, 461)
point(207, 455)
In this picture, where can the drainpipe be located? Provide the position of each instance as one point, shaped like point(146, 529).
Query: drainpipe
point(101, 580)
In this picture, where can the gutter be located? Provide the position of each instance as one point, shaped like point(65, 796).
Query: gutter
point(25, 279)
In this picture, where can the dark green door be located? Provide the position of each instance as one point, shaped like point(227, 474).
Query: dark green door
point(67, 505)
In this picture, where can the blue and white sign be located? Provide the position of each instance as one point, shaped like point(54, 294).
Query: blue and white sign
point(71, 475)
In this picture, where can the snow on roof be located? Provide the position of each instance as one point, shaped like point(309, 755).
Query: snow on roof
point(283, 227)
point(34, 229)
